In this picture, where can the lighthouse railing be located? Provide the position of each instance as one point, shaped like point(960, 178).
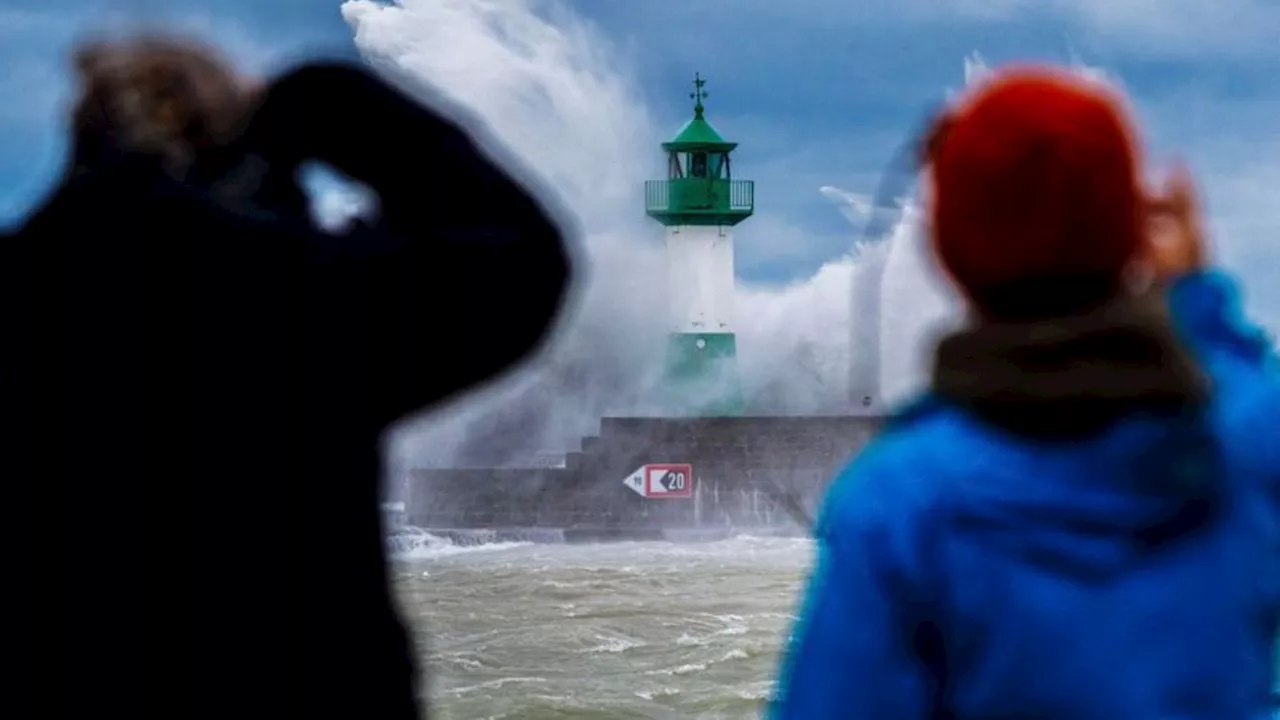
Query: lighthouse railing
point(742, 195)
point(657, 195)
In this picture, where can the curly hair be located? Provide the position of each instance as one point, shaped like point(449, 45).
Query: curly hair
point(163, 96)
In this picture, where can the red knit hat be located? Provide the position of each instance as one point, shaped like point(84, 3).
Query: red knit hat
point(1035, 176)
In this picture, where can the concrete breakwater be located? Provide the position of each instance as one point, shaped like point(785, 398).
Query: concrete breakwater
point(748, 474)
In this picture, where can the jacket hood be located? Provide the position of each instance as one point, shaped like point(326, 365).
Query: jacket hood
point(1102, 453)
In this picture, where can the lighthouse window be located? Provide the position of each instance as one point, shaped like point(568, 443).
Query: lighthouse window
point(717, 159)
point(699, 165)
point(674, 170)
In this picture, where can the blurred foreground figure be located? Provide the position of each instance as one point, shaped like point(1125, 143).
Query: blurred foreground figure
point(1082, 518)
point(195, 379)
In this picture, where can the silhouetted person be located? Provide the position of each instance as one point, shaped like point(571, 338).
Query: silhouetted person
point(195, 379)
point(1081, 519)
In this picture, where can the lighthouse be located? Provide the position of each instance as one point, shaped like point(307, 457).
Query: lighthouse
point(699, 203)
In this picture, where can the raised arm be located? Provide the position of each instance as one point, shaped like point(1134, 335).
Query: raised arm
point(1206, 308)
point(1237, 355)
point(1240, 359)
point(464, 271)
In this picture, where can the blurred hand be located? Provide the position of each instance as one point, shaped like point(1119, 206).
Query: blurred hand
point(1175, 242)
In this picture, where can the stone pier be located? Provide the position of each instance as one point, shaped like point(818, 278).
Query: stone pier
point(746, 470)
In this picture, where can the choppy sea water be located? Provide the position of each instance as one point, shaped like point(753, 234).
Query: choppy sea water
point(628, 630)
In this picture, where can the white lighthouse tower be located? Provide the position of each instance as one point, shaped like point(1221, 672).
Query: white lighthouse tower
point(699, 203)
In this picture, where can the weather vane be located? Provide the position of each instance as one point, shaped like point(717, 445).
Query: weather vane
point(698, 93)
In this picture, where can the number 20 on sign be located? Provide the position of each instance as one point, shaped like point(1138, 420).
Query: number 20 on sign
point(668, 480)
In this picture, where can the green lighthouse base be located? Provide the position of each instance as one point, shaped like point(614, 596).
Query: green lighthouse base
point(702, 377)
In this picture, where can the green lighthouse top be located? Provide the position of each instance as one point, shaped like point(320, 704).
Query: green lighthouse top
point(697, 134)
point(699, 188)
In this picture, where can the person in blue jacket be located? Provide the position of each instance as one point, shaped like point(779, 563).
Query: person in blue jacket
point(1081, 518)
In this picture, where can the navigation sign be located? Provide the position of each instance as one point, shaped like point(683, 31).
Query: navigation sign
point(662, 480)
point(635, 481)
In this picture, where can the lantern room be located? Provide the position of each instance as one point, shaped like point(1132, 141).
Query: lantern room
point(699, 189)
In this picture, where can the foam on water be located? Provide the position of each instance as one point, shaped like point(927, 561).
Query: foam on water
point(628, 630)
point(409, 544)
